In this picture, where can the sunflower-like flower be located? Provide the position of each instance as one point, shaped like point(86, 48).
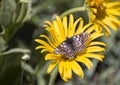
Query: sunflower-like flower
point(104, 14)
point(69, 44)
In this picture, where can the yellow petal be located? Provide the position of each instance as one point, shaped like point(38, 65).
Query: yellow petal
point(57, 31)
point(65, 79)
point(97, 43)
point(96, 35)
point(44, 50)
point(76, 22)
point(49, 23)
point(106, 28)
point(54, 36)
point(110, 24)
point(71, 29)
point(67, 70)
point(95, 49)
point(114, 19)
point(65, 25)
point(52, 66)
point(112, 4)
point(87, 26)
point(61, 70)
point(113, 12)
point(80, 25)
point(48, 29)
point(77, 69)
point(48, 39)
point(92, 15)
point(93, 55)
point(48, 47)
point(40, 47)
point(54, 39)
point(51, 56)
point(90, 29)
point(94, 10)
point(85, 61)
point(45, 26)
point(97, 27)
point(60, 24)
point(84, 28)
point(71, 20)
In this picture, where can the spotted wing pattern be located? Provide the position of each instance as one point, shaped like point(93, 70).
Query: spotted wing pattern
point(79, 41)
point(65, 49)
point(73, 45)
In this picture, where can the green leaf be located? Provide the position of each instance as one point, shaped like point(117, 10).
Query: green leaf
point(7, 9)
point(22, 14)
point(24, 11)
point(10, 69)
point(15, 50)
point(10, 66)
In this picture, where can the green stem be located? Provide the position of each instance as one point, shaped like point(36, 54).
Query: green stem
point(77, 9)
point(53, 76)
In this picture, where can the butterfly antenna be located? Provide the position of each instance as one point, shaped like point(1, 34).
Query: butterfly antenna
point(25, 57)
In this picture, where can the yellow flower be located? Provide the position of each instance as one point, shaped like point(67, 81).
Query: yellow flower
point(104, 14)
point(63, 31)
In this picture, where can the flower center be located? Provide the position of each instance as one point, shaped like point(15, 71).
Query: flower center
point(97, 8)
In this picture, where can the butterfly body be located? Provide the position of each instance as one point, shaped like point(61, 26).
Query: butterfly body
point(70, 42)
point(73, 45)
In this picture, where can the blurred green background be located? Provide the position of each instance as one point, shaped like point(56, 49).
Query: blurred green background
point(21, 22)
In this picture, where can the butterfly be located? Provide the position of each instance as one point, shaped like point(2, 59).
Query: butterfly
point(73, 45)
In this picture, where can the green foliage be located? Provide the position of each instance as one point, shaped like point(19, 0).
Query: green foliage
point(13, 13)
point(7, 9)
point(21, 22)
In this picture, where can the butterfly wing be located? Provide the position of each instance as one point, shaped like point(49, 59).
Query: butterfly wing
point(79, 41)
point(65, 49)
point(61, 49)
point(72, 45)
